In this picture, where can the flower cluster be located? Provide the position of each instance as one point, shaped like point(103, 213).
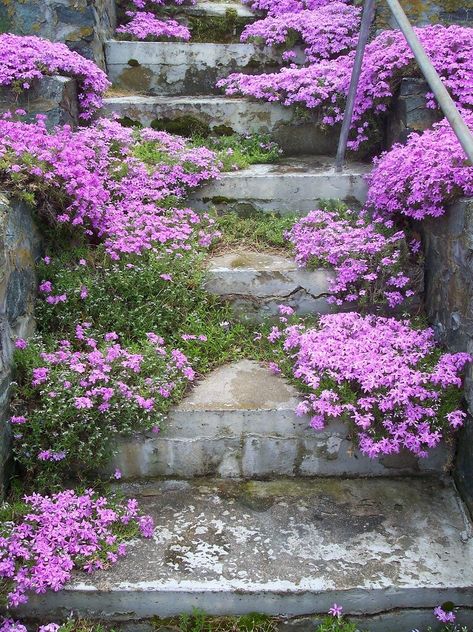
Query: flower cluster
point(144, 24)
point(421, 178)
point(366, 256)
point(24, 59)
point(60, 533)
point(382, 375)
point(325, 32)
point(387, 59)
point(114, 180)
point(88, 392)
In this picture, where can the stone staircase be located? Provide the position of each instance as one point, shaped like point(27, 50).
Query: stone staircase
point(254, 510)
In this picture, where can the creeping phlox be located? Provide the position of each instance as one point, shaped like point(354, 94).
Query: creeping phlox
point(384, 376)
point(60, 533)
point(99, 182)
point(324, 84)
point(366, 256)
point(26, 58)
point(86, 393)
point(145, 24)
point(419, 179)
point(324, 33)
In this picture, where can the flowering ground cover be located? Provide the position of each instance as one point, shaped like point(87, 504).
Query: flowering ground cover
point(26, 58)
point(419, 179)
point(324, 84)
point(369, 257)
point(384, 376)
point(51, 536)
point(147, 21)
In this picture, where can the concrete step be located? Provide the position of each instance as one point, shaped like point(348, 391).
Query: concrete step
point(256, 283)
point(207, 8)
point(229, 114)
point(389, 549)
point(240, 421)
point(182, 68)
point(291, 185)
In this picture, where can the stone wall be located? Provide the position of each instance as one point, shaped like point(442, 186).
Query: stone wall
point(83, 25)
point(20, 247)
point(448, 246)
point(423, 12)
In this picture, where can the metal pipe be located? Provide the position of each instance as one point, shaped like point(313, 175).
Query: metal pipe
point(366, 20)
point(442, 95)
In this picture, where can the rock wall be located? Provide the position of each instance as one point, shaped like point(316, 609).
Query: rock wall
point(448, 246)
point(83, 25)
point(408, 112)
point(55, 97)
point(20, 247)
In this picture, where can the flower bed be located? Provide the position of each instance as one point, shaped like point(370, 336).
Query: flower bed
point(86, 393)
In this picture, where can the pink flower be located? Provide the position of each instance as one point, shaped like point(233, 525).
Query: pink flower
point(18, 420)
point(336, 611)
point(20, 343)
point(444, 616)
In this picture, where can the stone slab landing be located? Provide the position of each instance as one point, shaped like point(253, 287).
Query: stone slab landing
point(287, 548)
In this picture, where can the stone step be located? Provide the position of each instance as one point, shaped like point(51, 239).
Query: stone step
point(390, 550)
point(240, 421)
point(227, 114)
point(182, 68)
point(291, 185)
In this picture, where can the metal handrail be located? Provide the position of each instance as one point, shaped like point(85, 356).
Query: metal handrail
point(432, 77)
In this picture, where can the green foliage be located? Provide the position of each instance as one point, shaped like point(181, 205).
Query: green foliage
point(334, 624)
point(260, 231)
point(239, 152)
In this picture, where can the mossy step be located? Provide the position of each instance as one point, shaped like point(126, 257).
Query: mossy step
point(177, 68)
point(221, 114)
point(292, 185)
point(390, 550)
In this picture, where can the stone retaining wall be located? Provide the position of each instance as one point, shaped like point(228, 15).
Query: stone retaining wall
point(448, 247)
point(19, 249)
point(83, 25)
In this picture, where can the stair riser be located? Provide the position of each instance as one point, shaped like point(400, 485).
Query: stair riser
point(173, 68)
point(295, 136)
point(229, 445)
point(256, 294)
point(154, 600)
point(287, 193)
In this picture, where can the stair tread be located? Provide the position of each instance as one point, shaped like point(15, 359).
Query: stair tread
point(287, 547)
point(300, 167)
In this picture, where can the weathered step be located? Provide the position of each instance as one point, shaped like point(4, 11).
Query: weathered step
point(291, 185)
point(256, 283)
point(389, 549)
point(240, 421)
point(182, 68)
point(228, 114)
point(206, 8)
